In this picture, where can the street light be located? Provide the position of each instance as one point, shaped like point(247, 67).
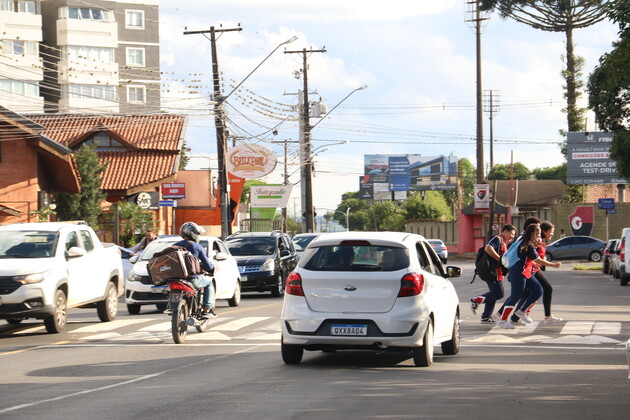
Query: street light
point(219, 124)
point(307, 180)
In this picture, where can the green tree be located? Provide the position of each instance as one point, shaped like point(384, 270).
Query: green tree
point(131, 217)
point(432, 207)
point(557, 16)
point(468, 179)
point(85, 205)
point(555, 172)
point(502, 172)
point(609, 89)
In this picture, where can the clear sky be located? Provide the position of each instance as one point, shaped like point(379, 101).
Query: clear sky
point(417, 58)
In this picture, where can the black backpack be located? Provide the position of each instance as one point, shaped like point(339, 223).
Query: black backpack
point(485, 266)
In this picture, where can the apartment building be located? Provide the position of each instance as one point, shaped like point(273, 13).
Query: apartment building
point(21, 68)
point(93, 56)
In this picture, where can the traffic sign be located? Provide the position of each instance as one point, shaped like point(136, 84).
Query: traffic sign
point(167, 203)
point(611, 211)
point(606, 203)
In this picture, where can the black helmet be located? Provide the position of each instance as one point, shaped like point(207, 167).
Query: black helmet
point(191, 230)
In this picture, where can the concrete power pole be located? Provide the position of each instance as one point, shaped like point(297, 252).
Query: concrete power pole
point(477, 21)
point(224, 198)
point(308, 225)
point(491, 102)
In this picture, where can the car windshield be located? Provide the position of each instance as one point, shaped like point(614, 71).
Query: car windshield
point(27, 244)
point(155, 247)
point(250, 245)
point(303, 241)
point(356, 258)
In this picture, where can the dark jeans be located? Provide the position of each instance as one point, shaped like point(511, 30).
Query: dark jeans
point(518, 285)
point(547, 293)
point(495, 293)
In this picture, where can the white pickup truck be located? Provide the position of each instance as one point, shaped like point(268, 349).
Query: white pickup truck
point(47, 268)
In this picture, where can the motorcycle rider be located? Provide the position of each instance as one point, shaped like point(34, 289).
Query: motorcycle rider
point(190, 231)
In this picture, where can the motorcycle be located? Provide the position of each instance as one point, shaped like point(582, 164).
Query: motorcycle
point(186, 310)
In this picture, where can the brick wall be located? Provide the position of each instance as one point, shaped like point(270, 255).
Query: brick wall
point(18, 179)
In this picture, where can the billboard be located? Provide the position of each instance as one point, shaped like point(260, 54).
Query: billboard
point(411, 172)
point(588, 159)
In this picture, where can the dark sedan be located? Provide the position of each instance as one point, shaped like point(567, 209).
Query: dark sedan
point(576, 248)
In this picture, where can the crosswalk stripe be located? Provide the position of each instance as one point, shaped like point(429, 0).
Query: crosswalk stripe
point(107, 326)
point(577, 327)
point(162, 326)
point(239, 323)
point(607, 328)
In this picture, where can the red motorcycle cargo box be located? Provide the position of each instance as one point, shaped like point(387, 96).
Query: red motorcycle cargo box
point(168, 264)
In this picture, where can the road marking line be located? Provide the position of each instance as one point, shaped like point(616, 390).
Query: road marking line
point(607, 328)
point(272, 325)
point(130, 381)
point(240, 323)
point(578, 328)
point(162, 326)
point(106, 326)
point(30, 330)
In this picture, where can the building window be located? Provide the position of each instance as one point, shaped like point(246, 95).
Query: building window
point(26, 6)
point(85, 13)
point(103, 141)
point(18, 87)
point(136, 94)
point(73, 52)
point(13, 47)
point(74, 91)
point(134, 19)
point(6, 5)
point(135, 57)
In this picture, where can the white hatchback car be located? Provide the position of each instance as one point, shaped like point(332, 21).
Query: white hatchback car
point(370, 290)
point(139, 290)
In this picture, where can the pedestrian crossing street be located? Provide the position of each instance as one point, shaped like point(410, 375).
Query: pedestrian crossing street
point(254, 329)
point(566, 332)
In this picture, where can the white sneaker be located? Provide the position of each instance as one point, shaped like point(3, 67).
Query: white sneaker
point(552, 320)
point(507, 324)
point(522, 315)
point(496, 317)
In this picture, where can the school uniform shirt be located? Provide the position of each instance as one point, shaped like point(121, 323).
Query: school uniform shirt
point(500, 247)
point(526, 260)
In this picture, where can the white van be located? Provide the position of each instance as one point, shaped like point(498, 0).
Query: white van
point(624, 257)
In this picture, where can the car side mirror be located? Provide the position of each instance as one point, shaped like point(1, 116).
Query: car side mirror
point(75, 251)
point(134, 259)
point(221, 256)
point(452, 271)
point(285, 253)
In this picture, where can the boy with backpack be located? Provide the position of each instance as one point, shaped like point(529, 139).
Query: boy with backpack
point(494, 249)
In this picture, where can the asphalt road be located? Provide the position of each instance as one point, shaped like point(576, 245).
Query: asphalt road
point(130, 368)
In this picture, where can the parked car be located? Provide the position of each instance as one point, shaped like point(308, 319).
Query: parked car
point(381, 291)
point(576, 248)
point(624, 254)
point(140, 291)
point(608, 253)
point(301, 241)
point(48, 268)
point(614, 260)
point(264, 260)
point(440, 249)
point(125, 255)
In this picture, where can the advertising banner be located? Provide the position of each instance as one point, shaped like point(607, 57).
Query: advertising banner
point(270, 196)
point(146, 200)
point(588, 159)
point(250, 161)
point(173, 191)
point(482, 198)
point(422, 173)
point(366, 187)
point(582, 220)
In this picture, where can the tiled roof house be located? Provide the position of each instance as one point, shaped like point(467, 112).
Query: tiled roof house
point(32, 165)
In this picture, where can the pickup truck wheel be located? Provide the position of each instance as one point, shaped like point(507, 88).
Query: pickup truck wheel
point(133, 309)
point(14, 320)
point(235, 300)
point(107, 308)
point(56, 322)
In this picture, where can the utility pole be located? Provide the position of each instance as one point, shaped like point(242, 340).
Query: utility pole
point(491, 102)
point(286, 178)
point(305, 138)
point(477, 22)
point(224, 197)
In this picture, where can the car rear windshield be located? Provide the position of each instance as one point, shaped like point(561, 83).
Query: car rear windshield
point(251, 245)
point(356, 258)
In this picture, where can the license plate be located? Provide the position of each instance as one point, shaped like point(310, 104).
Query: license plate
point(174, 297)
point(158, 289)
point(338, 329)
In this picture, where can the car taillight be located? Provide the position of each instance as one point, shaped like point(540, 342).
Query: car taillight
point(294, 285)
point(622, 251)
point(411, 285)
